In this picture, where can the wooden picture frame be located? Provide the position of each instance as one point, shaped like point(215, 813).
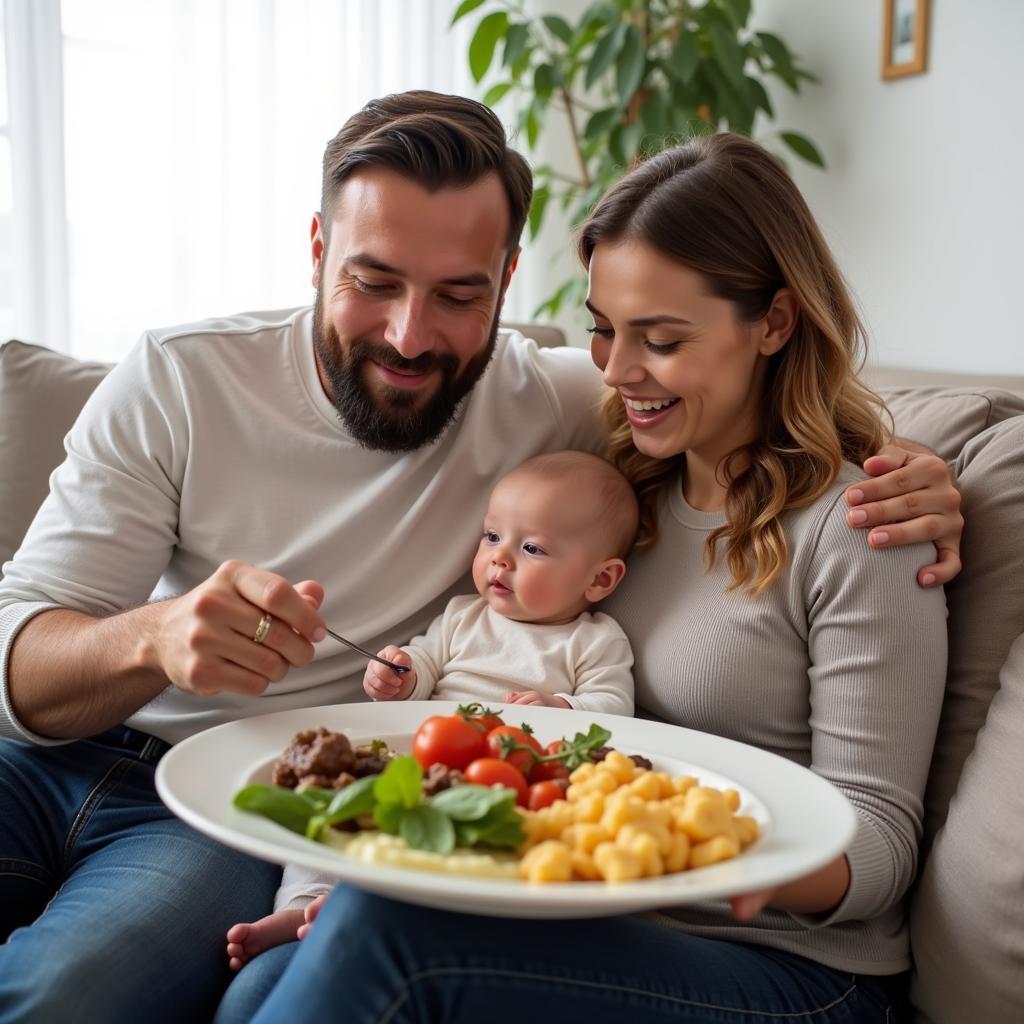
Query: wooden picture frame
point(904, 38)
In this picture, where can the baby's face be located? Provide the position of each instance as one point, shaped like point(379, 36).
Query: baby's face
point(540, 550)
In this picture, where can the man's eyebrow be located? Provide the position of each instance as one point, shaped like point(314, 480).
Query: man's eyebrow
point(361, 259)
point(644, 321)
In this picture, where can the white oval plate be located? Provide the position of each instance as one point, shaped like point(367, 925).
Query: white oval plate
point(805, 821)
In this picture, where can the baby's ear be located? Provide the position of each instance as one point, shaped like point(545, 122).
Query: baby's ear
point(607, 577)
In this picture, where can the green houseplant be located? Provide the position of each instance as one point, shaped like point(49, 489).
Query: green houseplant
point(626, 79)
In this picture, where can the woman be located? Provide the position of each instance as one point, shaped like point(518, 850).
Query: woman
point(730, 342)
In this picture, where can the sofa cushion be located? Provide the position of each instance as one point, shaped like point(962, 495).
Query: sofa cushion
point(41, 393)
point(945, 418)
point(967, 928)
point(986, 601)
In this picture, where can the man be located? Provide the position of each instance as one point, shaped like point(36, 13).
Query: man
point(232, 487)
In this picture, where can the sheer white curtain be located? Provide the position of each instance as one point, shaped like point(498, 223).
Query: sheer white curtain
point(190, 155)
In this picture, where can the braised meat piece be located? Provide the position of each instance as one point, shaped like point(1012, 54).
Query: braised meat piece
point(600, 753)
point(318, 752)
point(439, 777)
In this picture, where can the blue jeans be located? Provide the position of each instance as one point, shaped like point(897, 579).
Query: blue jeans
point(111, 909)
point(369, 959)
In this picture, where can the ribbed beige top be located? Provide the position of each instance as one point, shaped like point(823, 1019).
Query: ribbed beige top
point(840, 667)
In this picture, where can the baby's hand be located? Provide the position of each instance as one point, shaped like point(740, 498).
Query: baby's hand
point(535, 697)
point(311, 911)
point(383, 683)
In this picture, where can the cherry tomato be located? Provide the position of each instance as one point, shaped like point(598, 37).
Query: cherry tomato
point(543, 794)
point(483, 718)
point(449, 740)
point(520, 759)
point(548, 770)
point(492, 771)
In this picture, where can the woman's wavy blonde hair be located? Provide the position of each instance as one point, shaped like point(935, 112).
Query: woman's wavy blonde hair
point(723, 206)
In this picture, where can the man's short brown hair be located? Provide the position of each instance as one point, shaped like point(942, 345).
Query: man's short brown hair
point(437, 141)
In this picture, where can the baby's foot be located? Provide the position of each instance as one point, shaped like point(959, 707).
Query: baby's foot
point(246, 940)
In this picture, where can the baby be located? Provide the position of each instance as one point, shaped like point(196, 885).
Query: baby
point(555, 536)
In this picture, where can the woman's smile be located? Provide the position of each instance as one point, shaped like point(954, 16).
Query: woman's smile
point(645, 413)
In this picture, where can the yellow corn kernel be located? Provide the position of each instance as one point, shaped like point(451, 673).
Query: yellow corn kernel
point(583, 772)
point(644, 847)
point(616, 864)
point(621, 809)
point(583, 866)
point(645, 786)
point(713, 850)
point(551, 861)
point(665, 786)
point(619, 765)
point(604, 780)
point(576, 791)
point(660, 810)
point(585, 836)
point(704, 814)
point(588, 808)
point(678, 855)
point(746, 828)
point(684, 783)
point(732, 799)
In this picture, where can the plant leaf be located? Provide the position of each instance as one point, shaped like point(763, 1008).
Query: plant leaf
point(426, 828)
point(738, 12)
point(466, 7)
point(629, 65)
point(468, 802)
point(682, 62)
point(803, 147)
point(759, 95)
point(607, 49)
point(516, 39)
point(780, 57)
point(485, 39)
point(601, 121)
point(538, 205)
point(728, 53)
point(495, 93)
point(543, 81)
point(558, 27)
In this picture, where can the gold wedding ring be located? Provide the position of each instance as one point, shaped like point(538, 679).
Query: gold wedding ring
point(262, 629)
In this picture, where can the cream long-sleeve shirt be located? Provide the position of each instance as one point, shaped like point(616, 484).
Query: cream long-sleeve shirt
point(839, 666)
point(215, 441)
point(471, 653)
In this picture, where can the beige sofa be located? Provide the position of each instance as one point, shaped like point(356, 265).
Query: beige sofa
point(968, 906)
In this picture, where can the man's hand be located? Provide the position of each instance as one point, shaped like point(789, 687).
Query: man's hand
point(205, 642)
point(537, 698)
point(383, 683)
point(911, 499)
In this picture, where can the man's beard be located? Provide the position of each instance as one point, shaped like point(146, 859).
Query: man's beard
point(391, 423)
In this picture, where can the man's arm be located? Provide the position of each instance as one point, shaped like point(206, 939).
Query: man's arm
point(72, 675)
point(911, 499)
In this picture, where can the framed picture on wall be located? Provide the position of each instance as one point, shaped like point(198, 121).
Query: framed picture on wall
point(904, 38)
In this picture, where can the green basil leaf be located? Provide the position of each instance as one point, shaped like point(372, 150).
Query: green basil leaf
point(426, 828)
point(284, 806)
point(355, 799)
point(388, 817)
point(468, 802)
point(400, 783)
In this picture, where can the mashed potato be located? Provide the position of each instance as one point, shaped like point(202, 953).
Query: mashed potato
point(381, 848)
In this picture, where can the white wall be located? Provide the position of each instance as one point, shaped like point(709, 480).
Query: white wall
point(923, 199)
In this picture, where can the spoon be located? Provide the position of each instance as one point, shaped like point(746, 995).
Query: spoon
point(366, 654)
